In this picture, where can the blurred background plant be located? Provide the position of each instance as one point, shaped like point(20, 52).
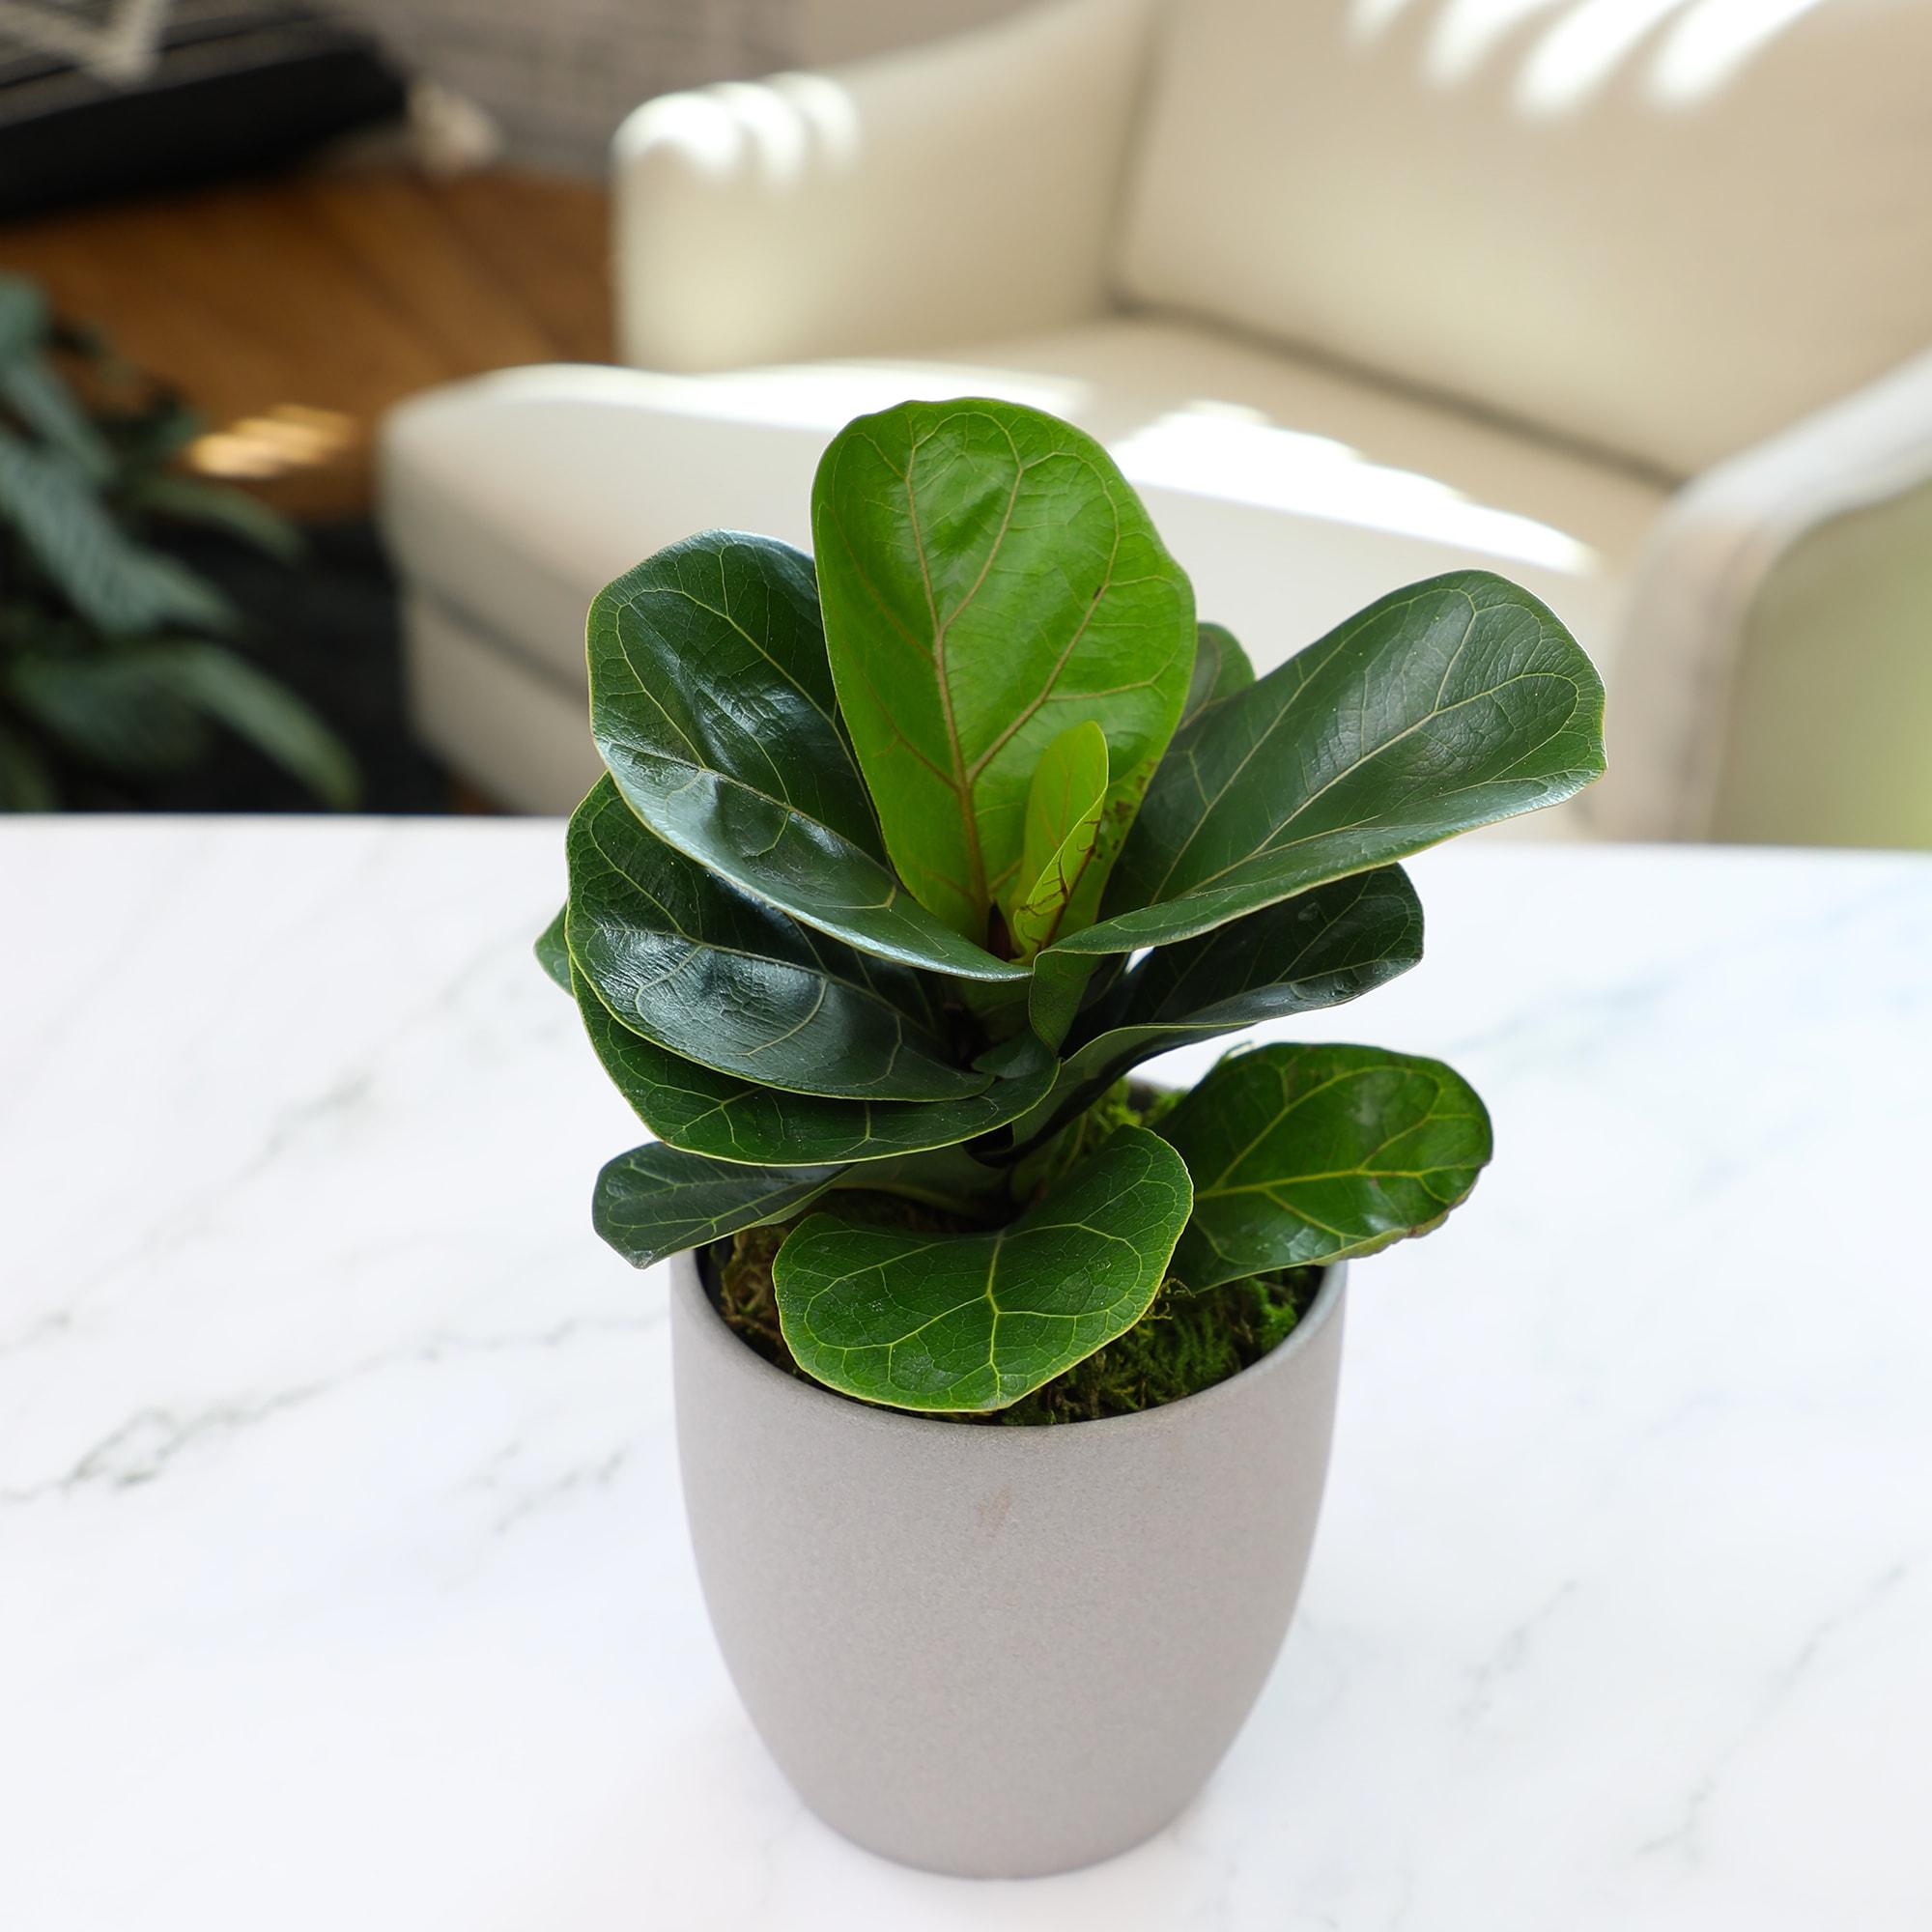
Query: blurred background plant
point(120, 665)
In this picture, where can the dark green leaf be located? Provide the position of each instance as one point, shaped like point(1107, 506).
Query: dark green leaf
point(116, 583)
point(655, 1201)
point(1221, 667)
point(974, 1321)
point(1318, 949)
point(716, 976)
point(1448, 705)
point(27, 784)
point(108, 708)
point(712, 704)
point(553, 952)
point(40, 401)
point(268, 715)
point(718, 1114)
point(24, 321)
point(1307, 1154)
point(214, 506)
point(989, 578)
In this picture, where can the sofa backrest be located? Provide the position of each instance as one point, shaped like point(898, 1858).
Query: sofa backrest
point(1662, 227)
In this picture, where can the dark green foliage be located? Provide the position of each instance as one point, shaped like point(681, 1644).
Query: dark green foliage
point(109, 659)
point(849, 921)
point(1185, 1342)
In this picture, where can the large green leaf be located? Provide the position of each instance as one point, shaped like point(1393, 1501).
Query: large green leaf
point(712, 704)
point(656, 1201)
point(1451, 704)
point(731, 1119)
point(974, 1321)
point(988, 579)
point(1318, 949)
point(721, 978)
point(1307, 1154)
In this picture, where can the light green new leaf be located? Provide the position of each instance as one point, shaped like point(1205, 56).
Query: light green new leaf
point(974, 1321)
point(721, 978)
point(1309, 1153)
point(656, 1201)
point(1318, 949)
point(1066, 803)
point(1221, 667)
point(712, 704)
point(728, 1118)
point(1451, 704)
point(988, 579)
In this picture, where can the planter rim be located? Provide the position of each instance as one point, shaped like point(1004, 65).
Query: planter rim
point(687, 1279)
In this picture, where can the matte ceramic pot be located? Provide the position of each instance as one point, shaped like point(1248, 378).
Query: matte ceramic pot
point(999, 1652)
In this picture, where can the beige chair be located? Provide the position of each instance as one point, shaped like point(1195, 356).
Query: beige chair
point(1620, 298)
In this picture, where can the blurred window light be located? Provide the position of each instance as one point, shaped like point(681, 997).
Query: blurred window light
point(1581, 52)
point(1217, 449)
point(1370, 19)
point(1467, 31)
point(1708, 47)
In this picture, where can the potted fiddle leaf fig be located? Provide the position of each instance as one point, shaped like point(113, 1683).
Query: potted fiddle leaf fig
point(903, 861)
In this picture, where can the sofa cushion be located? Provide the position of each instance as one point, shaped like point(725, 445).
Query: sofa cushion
point(1292, 494)
point(1662, 229)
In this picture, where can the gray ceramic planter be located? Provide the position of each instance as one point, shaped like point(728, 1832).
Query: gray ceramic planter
point(999, 1652)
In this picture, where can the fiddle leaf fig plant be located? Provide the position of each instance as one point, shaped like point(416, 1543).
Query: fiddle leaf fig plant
point(906, 858)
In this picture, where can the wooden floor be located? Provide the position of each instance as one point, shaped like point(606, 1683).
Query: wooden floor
point(293, 313)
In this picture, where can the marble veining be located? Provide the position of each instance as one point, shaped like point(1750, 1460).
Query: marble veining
point(343, 1580)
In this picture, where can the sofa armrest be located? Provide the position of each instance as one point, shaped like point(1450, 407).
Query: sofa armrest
point(954, 190)
point(1775, 678)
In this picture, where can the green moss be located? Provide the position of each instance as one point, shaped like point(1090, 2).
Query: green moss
point(1185, 1342)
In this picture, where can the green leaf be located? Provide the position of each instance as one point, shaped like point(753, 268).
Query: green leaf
point(731, 1119)
point(1451, 704)
point(1302, 1155)
point(24, 319)
point(115, 583)
point(974, 1321)
point(27, 784)
point(110, 708)
point(268, 715)
point(552, 951)
point(712, 704)
point(656, 1202)
point(1221, 667)
point(215, 506)
point(1066, 803)
point(40, 401)
point(989, 578)
point(716, 976)
point(1318, 949)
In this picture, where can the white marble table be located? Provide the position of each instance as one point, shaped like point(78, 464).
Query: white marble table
point(342, 1577)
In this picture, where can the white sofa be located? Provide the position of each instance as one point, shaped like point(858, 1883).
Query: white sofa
point(1625, 299)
